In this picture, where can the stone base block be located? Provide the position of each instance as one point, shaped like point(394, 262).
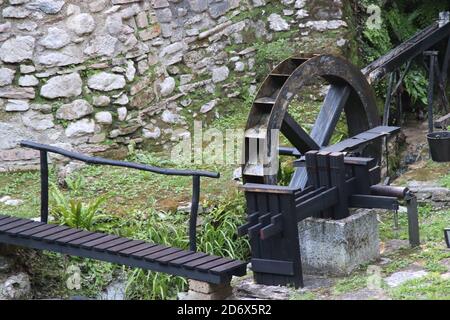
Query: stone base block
point(199, 290)
point(337, 247)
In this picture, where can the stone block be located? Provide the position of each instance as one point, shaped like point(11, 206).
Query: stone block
point(337, 247)
point(199, 290)
point(205, 287)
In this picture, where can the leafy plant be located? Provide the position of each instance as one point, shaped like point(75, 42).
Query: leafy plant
point(73, 212)
point(215, 235)
point(75, 184)
point(416, 84)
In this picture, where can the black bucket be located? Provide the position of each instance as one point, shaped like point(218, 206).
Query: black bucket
point(439, 143)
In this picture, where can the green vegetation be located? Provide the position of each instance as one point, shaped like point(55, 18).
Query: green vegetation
point(270, 54)
point(399, 21)
point(431, 287)
point(73, 212)
point(352, 283)
point(445, 181)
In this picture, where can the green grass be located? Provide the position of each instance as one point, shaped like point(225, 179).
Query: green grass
point(430, 287)
point(24, 186)
point(445, 181)
point(303, 296)
point(349, 284)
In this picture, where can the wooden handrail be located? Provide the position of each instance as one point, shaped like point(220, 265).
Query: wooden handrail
point(196, 174)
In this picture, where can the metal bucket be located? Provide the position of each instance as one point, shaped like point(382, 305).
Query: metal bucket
point(439, 143)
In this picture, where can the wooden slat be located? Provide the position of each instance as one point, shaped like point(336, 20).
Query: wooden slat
point(309, 195)
point(74, 236)
point(193, 264)
point(273, 266)
point(384, 130)
point(265, 100)
point(301, 192)
point(367, 136)
point(30, 232)
point(126, 245)
point(87, 239)
point(138, 248)
point(175, 256)
point(50, 232)
point(109, 244)
point(61, 234)
point(14, 224)
point(97, 242)
point(154, 249)
point(320, 202)
point(162, 253)
point(8, 220)
point(185, 259)
point(24, 227)
point(213, 264)
point(228, 267)
point(3, 217)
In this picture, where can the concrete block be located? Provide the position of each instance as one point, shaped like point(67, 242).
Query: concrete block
point(199, 290)
point(205, 287)
point(337, 247)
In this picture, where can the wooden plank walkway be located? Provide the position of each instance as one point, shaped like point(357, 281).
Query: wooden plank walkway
point(115, 249)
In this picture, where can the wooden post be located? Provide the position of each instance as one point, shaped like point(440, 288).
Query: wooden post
point(337, 167)
point(323, 163)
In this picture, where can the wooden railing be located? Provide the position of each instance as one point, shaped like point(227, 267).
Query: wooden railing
point(195, 174)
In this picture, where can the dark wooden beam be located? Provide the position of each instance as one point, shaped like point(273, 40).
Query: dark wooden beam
point(371, 202)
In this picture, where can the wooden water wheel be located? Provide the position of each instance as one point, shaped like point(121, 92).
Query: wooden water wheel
point(349, 92)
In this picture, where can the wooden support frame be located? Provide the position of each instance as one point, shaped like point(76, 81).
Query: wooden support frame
point(274, 236)
point(335, 184)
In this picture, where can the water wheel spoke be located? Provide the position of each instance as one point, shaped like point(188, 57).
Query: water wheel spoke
point(325, 125)
point(298, 137)
point(330, 113)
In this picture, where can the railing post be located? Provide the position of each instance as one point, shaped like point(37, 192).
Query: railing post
point(431, 77)
point(413, 219)
point(194, 212)
point(44, 186)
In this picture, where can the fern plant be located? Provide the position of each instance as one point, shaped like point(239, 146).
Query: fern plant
point(75, 184)
point(416, 84)
point(73, 212)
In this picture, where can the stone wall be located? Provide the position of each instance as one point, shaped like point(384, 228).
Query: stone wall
point(98, 75)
